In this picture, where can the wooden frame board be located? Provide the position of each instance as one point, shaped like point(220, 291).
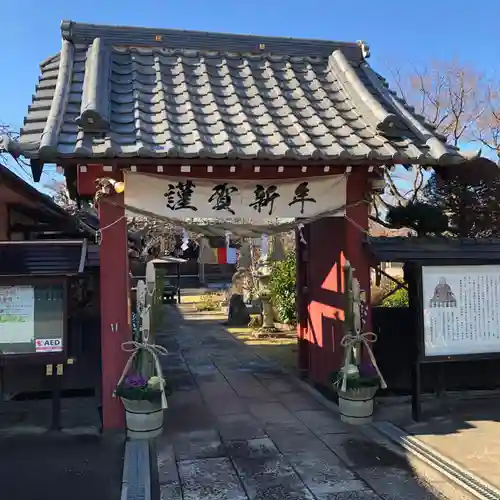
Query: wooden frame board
point(39, 358)
point(416, 303)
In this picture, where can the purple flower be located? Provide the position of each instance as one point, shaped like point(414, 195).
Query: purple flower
point(367, 369)
point(134, 380)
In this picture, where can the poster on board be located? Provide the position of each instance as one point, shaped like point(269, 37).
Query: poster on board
point(461, 310)
point(17, 314)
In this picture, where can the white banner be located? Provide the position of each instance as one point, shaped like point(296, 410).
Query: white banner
point(461, 313)
point(256, 200)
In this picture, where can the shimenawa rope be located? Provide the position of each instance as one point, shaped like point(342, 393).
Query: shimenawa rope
point(155, 351)
point(349, 342)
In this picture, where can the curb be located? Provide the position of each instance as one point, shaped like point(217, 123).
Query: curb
point(442, 464)
point(136, 479)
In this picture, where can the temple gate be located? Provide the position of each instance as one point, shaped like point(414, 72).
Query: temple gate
point(163, 105)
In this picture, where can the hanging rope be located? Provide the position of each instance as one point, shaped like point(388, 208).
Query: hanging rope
point(154, 351)
point(247, 229)
point(349, 342)
point(100, 231)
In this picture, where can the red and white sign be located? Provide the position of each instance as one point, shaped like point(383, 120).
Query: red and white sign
point(48, 345)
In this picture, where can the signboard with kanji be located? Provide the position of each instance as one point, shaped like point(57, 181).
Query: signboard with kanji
point(461, 310)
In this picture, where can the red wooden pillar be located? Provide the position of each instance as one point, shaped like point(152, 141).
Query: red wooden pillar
point(115, 290)
point(356, 231)
point(330, 242)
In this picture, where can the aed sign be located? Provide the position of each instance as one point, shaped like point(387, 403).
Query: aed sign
point(48, 345)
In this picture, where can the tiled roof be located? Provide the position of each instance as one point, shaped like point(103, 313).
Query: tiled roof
point(118, 92)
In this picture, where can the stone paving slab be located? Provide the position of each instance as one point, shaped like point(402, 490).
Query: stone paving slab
point(271, 478)
point(210, 479)
point(294, 401)
point(240, 428)
point(198, 444)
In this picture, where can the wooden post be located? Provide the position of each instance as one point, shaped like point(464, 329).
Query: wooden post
point(115, 327)
point(356, 231)
point(56, 399)
point(330, 242)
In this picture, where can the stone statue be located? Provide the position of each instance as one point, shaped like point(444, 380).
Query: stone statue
point(264, 275)
point(238, 313)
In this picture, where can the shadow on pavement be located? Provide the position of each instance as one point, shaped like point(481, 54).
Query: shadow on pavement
point(56, 466)
point(464, 430)
point(239, 423)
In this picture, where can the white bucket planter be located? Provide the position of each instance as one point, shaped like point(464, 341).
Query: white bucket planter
point(144, 419)
point(356, 405)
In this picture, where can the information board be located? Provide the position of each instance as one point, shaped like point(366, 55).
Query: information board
point(461, 310)
point(17, 314)
point(31, 319)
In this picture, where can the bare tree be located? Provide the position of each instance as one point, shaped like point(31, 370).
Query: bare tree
point(450, 95)
point(19, 166)
point(459, 103)
point(156, 237)
point(487, 130)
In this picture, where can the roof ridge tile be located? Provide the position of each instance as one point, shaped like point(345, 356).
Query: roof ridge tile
point(160, 37)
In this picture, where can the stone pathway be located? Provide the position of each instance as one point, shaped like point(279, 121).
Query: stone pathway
point(240, 428)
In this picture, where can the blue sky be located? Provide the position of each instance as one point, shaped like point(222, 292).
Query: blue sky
point(399, 33)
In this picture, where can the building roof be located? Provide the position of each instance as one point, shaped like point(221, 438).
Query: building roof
point(44, 204)
point(122, 93)
point(42, 258)
point(20, 186)
point(438, 248)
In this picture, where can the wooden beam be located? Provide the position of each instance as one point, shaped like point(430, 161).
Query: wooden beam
point(38, 215)
point(118, 163)
point(31, 228)
point(88, 174)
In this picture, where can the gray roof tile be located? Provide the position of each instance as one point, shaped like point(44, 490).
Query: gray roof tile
point(134, 92)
